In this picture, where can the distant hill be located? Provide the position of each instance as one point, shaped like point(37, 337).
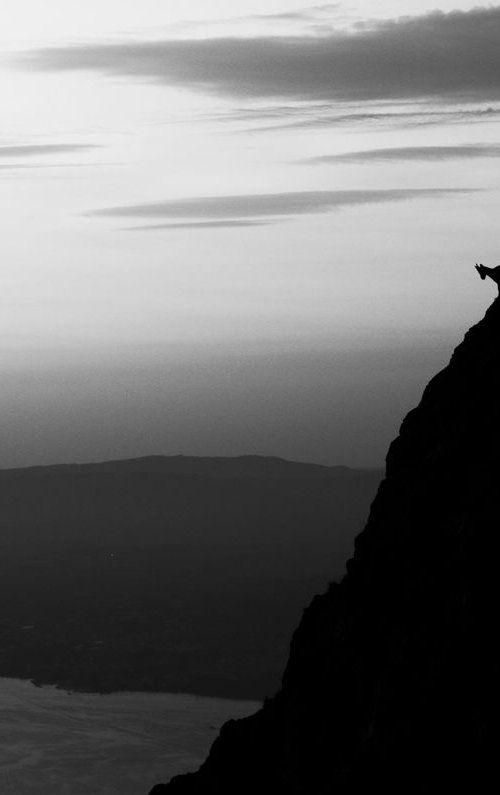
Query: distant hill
point(165, 500)
point(214, 467)
point(168, 573)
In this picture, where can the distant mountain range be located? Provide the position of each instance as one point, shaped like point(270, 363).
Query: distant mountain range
point(168, 573)
point(219, 466)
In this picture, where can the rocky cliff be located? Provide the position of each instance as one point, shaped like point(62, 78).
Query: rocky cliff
point(393, 678)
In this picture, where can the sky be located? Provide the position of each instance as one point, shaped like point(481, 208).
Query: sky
point(238, 227)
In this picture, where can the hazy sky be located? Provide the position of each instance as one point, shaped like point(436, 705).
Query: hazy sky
point(244, 226)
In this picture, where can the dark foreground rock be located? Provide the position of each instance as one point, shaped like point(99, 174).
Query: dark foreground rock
point(392, 683)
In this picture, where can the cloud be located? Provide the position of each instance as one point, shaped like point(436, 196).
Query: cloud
point(410, 153)
point(317, 17)
point(392, 118)
point(34, 150)
point(249, 207)
point(305, 115)
point(452, 57)
point(229, 224)
point(40, 167)
point(305, 14)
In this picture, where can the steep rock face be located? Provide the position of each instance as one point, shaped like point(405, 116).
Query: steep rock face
point(393, 678)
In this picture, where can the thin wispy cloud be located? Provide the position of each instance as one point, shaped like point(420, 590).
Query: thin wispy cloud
point(43, 167)
point(315, 18)
point(35, 150)
point(301, 15)
point(437, 56)
point(391, 119)
point(240, 209)
point(410, 153)
point(208, 225)
point(281, 117)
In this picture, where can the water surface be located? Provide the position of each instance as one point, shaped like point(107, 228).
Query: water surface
point(58, 743)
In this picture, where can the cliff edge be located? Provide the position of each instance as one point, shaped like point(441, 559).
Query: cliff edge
point(393, 677)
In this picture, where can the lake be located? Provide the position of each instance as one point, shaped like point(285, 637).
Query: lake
point(58, 743)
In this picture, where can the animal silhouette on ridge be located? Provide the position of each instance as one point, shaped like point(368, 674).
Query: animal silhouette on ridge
point(493, 273)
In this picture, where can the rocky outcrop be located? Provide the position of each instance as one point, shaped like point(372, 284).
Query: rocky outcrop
point(392, 683)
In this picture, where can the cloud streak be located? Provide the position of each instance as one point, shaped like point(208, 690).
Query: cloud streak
point(410, 153)
point(452, 57)
point(207, 225)
point(306, 14)
point(394, 118)
point(256, 208)
point(35, 150)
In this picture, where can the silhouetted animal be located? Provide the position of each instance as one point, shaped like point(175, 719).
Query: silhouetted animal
point(493, 273)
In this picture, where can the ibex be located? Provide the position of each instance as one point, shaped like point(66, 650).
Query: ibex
point(493, 273)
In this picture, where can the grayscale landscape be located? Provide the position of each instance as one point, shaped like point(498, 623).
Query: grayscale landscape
point(249, 326)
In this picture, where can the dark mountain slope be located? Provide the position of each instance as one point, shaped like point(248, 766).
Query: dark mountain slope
point(393, 679)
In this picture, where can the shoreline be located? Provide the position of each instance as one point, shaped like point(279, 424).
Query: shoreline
point(87, 691)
